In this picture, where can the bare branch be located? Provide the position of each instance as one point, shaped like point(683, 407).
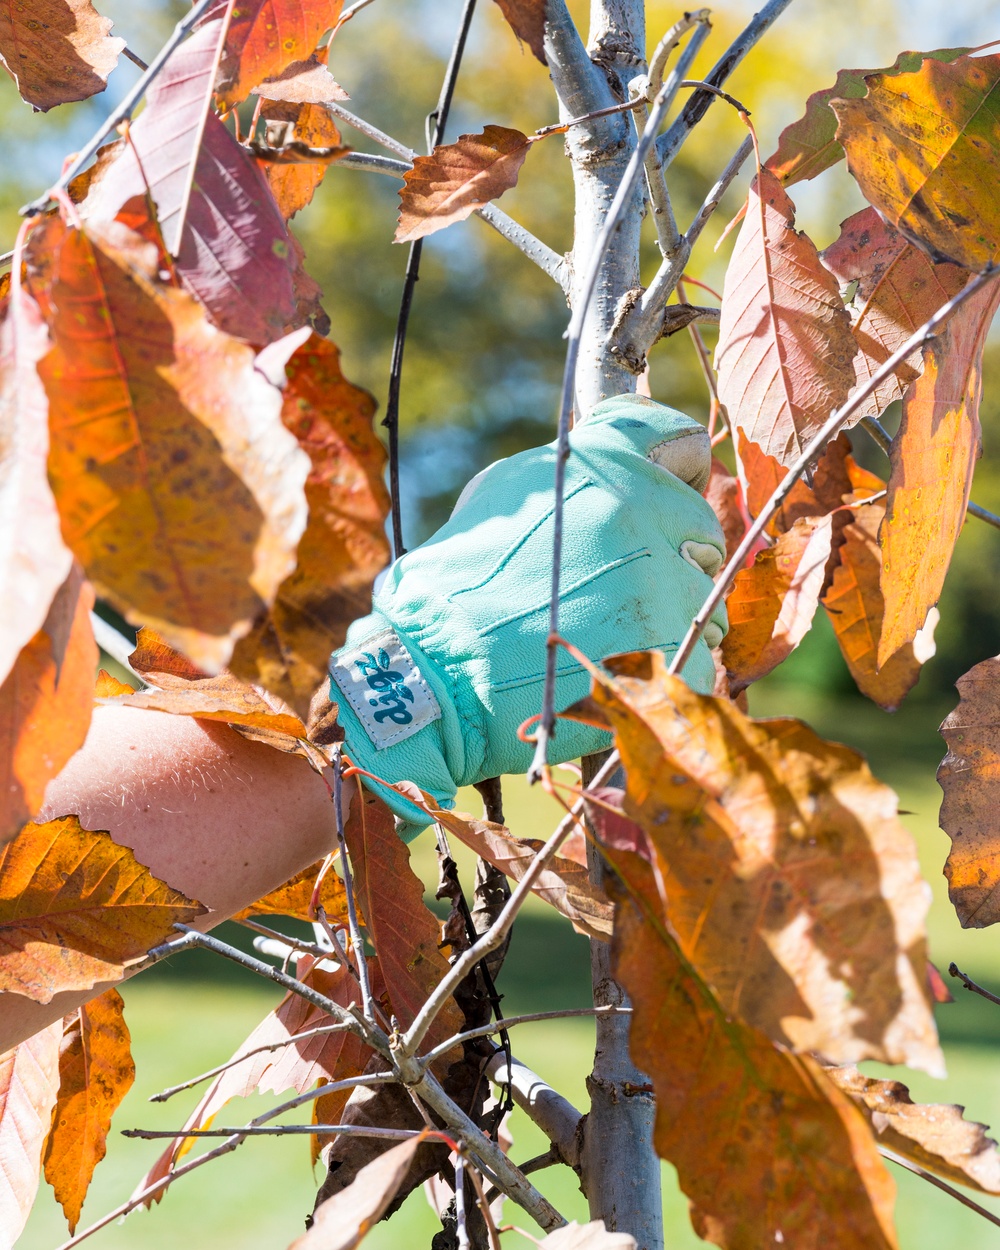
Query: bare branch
point(371, 132)
point(275, 1130)
point(350, 12)
point(964, 1199)
point(508, 1022)
point(136, 60)
point(580, 86)
point(345, 872)
point(955, 971)
point(555, 1115)
point(115, 644)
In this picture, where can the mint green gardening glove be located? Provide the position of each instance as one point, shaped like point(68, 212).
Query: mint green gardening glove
point(433, 685)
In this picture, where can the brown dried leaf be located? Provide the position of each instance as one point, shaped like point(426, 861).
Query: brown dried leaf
point(294, 898)
point(457, 178)
point(725, 499)
point(788, 879)
point(935, 1136)
point(527, 20)
point(303, 82)
point(969, 776)
point(75, 908)
point(29, 1081)
point(45, 704)
point(57, 50)
point(785, 344)
point(341, 1222)
point(180, 491)
point(95, 1073)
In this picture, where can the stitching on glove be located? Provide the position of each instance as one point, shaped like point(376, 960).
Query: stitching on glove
point(512, 683)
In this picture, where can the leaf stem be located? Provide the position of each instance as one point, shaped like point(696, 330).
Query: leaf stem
point(936, 1180)
point(955, 971)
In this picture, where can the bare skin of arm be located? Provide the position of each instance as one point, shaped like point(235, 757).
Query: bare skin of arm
point(221, 819)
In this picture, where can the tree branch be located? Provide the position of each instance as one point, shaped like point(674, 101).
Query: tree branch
point(955, 971)
point(509, 1022)
point(936, 1180)
point(580, 86)
point(555, 1115)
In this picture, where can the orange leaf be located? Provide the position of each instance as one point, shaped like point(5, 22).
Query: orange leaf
point(785, 343)
point(75, 908)
point(304, 125)
point(916, 143)
point(457, 178)
point(725, 498)
point(968, 776)
point(45, 704)
point(344, 545)
point(405, 933)
point(34, 561)
point(932, 460)
point(527, 20)
point(29, 1080)
point(265, 37)
point(295, 896)
point(57, 50)
point(95, 1073)
point(935, 1136)
point(856, 610)
point(303, 82)
point(788, 879)
point(179, 489)
point(898, 289)
point(108, 687)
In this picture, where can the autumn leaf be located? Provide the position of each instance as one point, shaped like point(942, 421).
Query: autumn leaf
point(75, 908)
point(95, 1073)
point(57, 50)
point(856, 610)
point(594, 1236)
point(526, 19)
point(789, 881)
point(46, 703)
point(724, 496)
point(969, 776)
point(303, 82)
point(216, 212)
point(34, 561)
point(785, 343)
point(179, 489)
point(265, 37)
point(29, 1081)
point(916, 144)
point(935, 1136)
point(932, 460)
point(404, 932)
point(294, 898)
point(809, 146)
point(307, 126)
point(457, 178)
point(344, 545)
point(341, 1222)
point(108, 687)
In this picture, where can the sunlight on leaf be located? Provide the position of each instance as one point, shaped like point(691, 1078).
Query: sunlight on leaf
point(29, 1081)
point(57, 50)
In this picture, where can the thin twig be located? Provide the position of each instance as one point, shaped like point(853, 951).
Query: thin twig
point(136, 60)
point(461, 1225)
point(123, 110)
point(115, 644)
point(7, 257)
point(722, 185)
point(296, 944)
point(345, 872)
point(716, 406)
point(955, 971)
point(510, 1021)
point(366, 128)
point(836, 421)
point(936, 1180)
point(484, 1207)
point(275, 1130)
point(349, 13)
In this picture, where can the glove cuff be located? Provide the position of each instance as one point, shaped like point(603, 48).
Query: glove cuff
point(392, 701)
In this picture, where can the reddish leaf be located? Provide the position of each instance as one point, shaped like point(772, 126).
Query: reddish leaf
point(968, 776)
point(935, 1136)
point(45, 704)
point(344, 545)
point(217, 214)
point(34, 562)
point(75, 908)
point(788, 879)
point(916, 144)
point(457, 178)
point(932, 460)
point(898, 289)
point(265, 37)
point(527, 20)
point(809, 146)
point(95, 1073)
point(29, 1080)
point(304, 126)
point(303, 82)
point(785, 343)
point(179, 489)
point(726, 500)
point(57, 50)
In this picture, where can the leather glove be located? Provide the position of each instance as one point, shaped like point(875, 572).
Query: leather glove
point(433, 685)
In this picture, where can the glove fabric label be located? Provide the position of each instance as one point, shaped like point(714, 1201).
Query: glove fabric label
point(384, 687)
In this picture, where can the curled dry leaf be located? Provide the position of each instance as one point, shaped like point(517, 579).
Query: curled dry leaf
point(75, 908)
point(935, 1136)
point(95, 1073)
point(34, 561)
point(57, 50)
point(785, 343)
point(45, 703)
point(303, 128)
point(341, 1222)
point(265, 37)
point(788, 879)
point(180, 491)
point(898, 289)
point(526, 19)
point(932, 460)
point(809, 146)
point(344, 545)
point(29, 1081)
point(303, 82)
point(592, 1236)
point(970, 778)
point(457, 178)
point(916, 144)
